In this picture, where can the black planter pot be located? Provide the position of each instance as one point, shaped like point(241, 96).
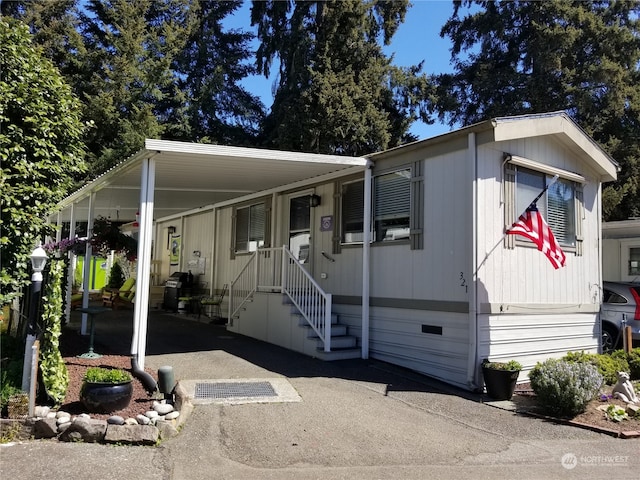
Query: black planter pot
point(106, 397)
point(500, 383)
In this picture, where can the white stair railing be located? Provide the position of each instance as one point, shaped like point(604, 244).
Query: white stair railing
point(311, 301)
point(276, 269)
point(242, 287)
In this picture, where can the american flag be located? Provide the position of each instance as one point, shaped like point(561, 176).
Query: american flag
point(532, 225)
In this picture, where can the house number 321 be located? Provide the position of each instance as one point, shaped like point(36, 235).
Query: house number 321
point(463, 282)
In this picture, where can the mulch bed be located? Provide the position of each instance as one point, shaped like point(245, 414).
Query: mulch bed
point(73, 344)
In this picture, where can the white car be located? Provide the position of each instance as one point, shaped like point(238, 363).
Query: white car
point(620, 301)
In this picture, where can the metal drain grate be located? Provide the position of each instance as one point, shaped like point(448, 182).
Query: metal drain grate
point(234, 389)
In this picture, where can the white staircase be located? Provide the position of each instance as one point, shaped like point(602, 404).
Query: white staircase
point(343, 345)
point(277, 270)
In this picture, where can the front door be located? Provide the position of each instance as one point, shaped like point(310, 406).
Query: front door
point(300, 229)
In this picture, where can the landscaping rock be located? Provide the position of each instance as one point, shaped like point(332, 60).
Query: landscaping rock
point(163, 408)
point(45, 428)
point(115, 420)
point(83, 430)
point(41, 411)
point(134, 435)
point(632, 410)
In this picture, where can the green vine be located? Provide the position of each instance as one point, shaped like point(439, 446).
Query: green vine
point(54, 372)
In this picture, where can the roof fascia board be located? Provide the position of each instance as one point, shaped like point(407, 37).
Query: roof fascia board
point(246, 152)
point(102, 181)
point(560, 124)
point(428, 142)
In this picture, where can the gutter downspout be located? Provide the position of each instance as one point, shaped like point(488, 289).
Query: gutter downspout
point(366, 247)
point(473, 293)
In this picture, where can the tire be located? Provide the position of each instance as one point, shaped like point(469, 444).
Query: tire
point(609, 338)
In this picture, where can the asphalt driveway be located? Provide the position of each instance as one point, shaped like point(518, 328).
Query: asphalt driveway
point(354, 419)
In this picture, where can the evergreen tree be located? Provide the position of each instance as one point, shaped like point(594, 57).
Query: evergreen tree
point(132, 89)
point(211, 67)
point(520, 57)
point(336, 92)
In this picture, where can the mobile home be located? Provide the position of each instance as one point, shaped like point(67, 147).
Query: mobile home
point(400, 255)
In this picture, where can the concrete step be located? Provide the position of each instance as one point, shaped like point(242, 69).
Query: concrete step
point(303, 322)
point(339, 354)
point(344, 341)
point(337, 330)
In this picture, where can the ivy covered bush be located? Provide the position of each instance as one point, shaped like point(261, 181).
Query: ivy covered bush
point(608, 365)
point(54, 372)
point(565, 388)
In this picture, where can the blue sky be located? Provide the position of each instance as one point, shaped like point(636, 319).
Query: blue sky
point(417, 39)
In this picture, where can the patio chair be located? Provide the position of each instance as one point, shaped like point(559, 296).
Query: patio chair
point(119, 296)
point(214, 301)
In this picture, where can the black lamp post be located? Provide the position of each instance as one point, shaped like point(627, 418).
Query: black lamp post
point(38, 262)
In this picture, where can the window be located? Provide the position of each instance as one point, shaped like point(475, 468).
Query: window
point(352, 212)
point(250, 228)
point(634, 261)
point(392, 206)
point(397, 208)
point(558, 205)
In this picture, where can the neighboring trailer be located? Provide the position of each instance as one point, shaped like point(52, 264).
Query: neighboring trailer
point(621, 251)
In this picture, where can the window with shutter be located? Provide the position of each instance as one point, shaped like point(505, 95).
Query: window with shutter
point(249, 228)
point(557, 206)
point(392, 206)
point(352, 212)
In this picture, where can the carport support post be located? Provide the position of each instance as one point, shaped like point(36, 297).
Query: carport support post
point(141, 305)
point(86, 271)
point(365, 260)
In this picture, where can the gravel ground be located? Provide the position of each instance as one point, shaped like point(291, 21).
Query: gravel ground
point(71, 345)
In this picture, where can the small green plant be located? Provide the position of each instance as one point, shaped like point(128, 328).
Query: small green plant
point(564, 388)
point(607, 365)
point(616, 413)
point(511, 365)
point(106, 375)
point(116, 276)
point(9, 432)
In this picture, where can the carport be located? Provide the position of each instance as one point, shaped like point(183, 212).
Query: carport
point(167, 177)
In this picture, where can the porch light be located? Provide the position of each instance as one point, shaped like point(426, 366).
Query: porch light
point(314, 201)
point(38, 261)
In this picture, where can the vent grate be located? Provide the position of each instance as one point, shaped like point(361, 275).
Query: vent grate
point(234, 389)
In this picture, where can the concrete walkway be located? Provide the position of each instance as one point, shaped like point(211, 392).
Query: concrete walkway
point(353, 419)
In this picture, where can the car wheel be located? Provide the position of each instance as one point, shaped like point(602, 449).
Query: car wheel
point(609, 337)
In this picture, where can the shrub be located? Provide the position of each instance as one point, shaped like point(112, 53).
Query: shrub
point(116, 276)
point(607, 365)
point(12, 351)
point(633, 358)
point(564, 388)
point(106, 375)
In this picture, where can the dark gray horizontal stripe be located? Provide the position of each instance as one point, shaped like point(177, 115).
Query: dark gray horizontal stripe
point(405, 303)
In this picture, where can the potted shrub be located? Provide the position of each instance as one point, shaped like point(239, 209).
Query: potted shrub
point(106, 390)
point(500, 378)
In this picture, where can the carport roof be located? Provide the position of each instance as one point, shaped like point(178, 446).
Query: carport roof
point(193, 175)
